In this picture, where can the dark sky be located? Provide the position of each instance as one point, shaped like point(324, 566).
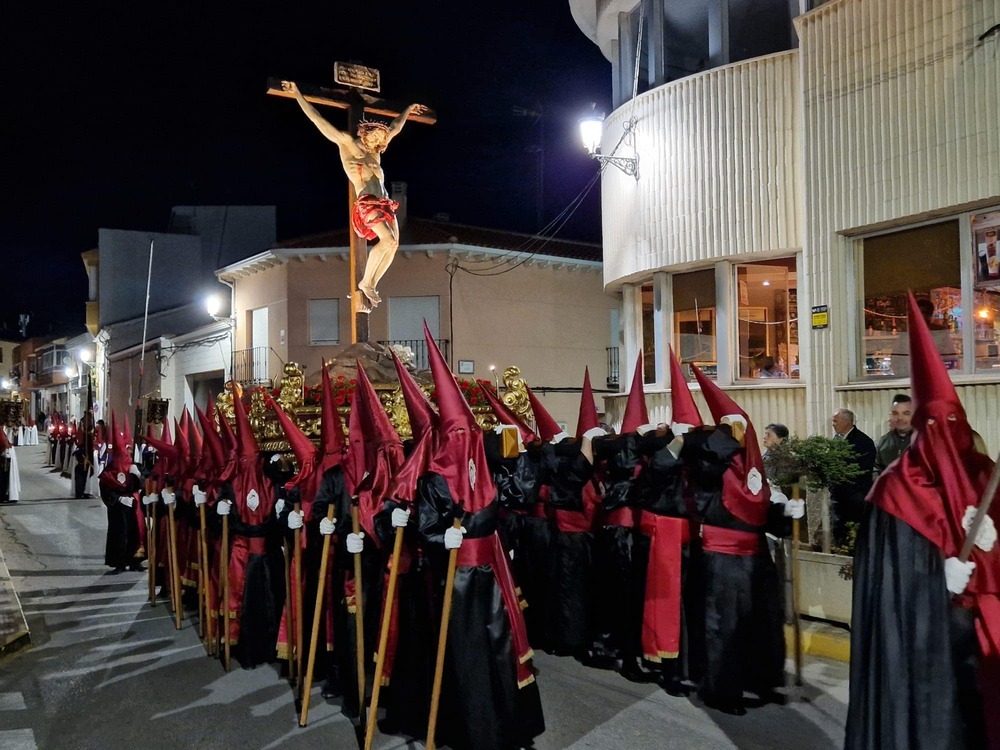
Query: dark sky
point(117, 111)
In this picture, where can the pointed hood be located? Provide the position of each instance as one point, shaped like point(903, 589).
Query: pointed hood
point(197, 444)
point(332, 443)
point(587, 418)
point(418, 408)
point(114, 478)
point(548, 429)
point(940, 476)
point(182, 440)
point(164, 446)
point(507, 417)
point(246, 443)
point(745, 491)
point(306, 454)
point(635, 409)
point(683, 410)
point(213, 454)
point(383, 451)
point(460, 459)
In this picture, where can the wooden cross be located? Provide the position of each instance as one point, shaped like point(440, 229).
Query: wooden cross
point(358, 103)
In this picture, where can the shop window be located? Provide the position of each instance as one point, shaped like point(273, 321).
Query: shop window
point(324, 321)
point(694, 321)
point(925, 260)
point(767, 331)
point(986, 295)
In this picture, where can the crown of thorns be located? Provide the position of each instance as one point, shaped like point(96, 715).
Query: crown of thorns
point(366, 126)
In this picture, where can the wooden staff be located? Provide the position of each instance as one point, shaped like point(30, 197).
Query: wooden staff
point(207, 583)
point(289, 623)
point(796, 620)
point(317, 615)
point(225, 587)
point(175, 583)
point(449, 587)
point(383, 637)
point(359, 617)
point(297, 558)
point(151, 549)
point(203, 605)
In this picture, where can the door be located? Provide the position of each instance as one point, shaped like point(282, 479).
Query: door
point(258, 344)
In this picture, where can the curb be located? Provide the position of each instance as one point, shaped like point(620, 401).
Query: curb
point(816, 641)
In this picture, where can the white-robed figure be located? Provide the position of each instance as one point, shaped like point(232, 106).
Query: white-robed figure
point(10, 478)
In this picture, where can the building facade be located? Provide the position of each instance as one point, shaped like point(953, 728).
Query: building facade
point(492, 299)
point(788, 202)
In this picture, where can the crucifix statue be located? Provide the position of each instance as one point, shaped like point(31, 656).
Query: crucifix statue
point(372, 211)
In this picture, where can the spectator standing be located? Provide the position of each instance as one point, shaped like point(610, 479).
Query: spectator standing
point(892, 444)
point(848, 498)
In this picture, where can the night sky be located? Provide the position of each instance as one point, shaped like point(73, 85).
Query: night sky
point(118, 111)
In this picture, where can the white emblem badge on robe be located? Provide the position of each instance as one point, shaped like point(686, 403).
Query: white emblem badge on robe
point(253, 500)
point(472, 474)
point(754, 481)
point(121, 477)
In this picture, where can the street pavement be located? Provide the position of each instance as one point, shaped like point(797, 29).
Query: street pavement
point(105, 670)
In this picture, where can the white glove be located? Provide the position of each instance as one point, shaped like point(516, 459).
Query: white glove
point(327, 527)
point(675, 446)
point(200, 498)
point(777, 496)
point(986, 537)
point(134, 470)
point(355, 543)
point(223, 507)
point(8, 452)
point(681, 428)
point(400, 518)
point(453, 537)
point(957, 574)
point(150, 499)
point(295, 521)
point(168, 497)
point(126, 500)
point(795, 508)
point(644, 428)
point(594, 432)
point(275, 458)
point(279, 507)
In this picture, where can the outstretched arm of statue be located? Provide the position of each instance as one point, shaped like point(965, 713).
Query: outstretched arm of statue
point(322, 124)
point(396, 125)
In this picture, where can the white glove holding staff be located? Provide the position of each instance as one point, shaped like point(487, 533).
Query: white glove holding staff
point(327, 527)
point(168, 497)
point(453, 537)
point(223, 507)
point(957, 574)
point(296, 519)
point(356, 543)
point(400, 518)
point(150, 499)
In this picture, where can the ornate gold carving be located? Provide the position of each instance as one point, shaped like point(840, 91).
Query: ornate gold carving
point(292, 386)
point(515, 396)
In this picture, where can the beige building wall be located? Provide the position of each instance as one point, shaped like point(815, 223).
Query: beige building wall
point(265, 288)
point(549, 317)
point(899, 105)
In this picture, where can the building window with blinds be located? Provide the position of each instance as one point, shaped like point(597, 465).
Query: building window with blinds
point(324, 321)
point(927, 261)
point(767, 327)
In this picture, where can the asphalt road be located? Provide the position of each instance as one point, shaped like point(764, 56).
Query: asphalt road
point(105, 670)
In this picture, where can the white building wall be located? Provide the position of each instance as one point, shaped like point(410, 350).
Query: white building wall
point(900, 119)
point(207, 353)
point(720, 170)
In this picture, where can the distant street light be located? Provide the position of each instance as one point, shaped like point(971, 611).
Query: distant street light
point(86, 355)
point(591, 130)
point(213, 304)
point(70, 372)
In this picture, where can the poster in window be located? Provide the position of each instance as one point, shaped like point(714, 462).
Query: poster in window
point(793, 310)
point(986, 245)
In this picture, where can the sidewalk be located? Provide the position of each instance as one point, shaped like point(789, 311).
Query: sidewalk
point(42, 482)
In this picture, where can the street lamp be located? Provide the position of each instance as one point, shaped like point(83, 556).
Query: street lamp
point(86, 355)
point(213, 304)
point(591, 130)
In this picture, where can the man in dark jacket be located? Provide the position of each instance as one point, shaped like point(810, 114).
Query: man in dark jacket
point(892, 444)
point(848, 498)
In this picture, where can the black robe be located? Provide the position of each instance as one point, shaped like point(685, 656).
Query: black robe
point(565, 473)
point(123, 527)
point(744, 621)
point(482, 707)
point(526, 532)
point(913, 652)
point(334, 491)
